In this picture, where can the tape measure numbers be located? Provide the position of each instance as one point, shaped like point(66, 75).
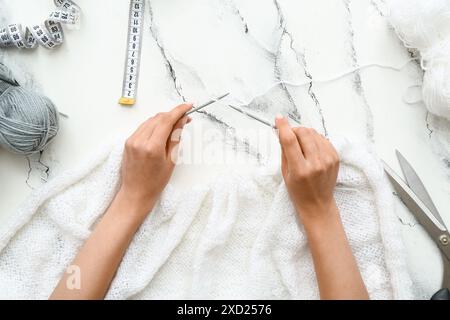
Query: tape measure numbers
point(49, 35)
point(133, 56)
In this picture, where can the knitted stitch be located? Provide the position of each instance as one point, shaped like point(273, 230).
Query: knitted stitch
point(236, 238)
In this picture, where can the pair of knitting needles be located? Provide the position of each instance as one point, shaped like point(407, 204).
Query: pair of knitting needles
point(248, 114)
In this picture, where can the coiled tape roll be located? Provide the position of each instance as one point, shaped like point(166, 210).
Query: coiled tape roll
point(49, 35)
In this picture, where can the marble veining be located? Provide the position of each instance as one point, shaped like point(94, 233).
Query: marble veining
point(170, 68)
point(380, 6)
point(197, 49)
point(293, 113)
point(275, 49)
point(357, 80)
point(283, 42)
point(439, 133)
point(313, 95)
point(236, 143)
point(238, 13)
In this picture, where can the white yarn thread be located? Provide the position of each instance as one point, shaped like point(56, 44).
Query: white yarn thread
point(425, 25)
point(332, 78)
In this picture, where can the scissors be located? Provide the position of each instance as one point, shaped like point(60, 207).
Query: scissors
point(415, 196)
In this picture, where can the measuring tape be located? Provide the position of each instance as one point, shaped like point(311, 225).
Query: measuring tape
point(133, 56)
point(49, 35)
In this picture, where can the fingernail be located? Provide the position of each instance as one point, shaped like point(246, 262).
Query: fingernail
point(279, 117)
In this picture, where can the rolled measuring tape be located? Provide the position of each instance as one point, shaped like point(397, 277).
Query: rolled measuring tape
point(49, 35)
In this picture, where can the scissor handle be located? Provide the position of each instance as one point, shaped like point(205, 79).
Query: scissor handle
point(442, 294)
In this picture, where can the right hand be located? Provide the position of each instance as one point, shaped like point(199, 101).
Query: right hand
point(310, 166)
point(148, 160)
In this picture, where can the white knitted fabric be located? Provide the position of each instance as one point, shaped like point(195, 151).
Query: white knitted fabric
point(235, 238)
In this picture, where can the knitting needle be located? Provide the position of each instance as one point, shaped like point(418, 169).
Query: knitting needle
point(267, 123)
point(206, 104)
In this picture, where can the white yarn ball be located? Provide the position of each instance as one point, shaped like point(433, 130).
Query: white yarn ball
point(425, 25)
point(420, 23)
point(436, 81)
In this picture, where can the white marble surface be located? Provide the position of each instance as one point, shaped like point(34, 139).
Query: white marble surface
point(197, 48)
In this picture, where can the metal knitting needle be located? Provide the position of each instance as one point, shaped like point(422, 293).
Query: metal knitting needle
point(248, 114)
point(206, 104)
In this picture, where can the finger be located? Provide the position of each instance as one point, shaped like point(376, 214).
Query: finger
point(167, 122)
point(307, 140)
point(289, 142)
point(175, 138)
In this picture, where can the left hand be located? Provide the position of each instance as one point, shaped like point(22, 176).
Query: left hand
point(149, 157)
point(148, 163)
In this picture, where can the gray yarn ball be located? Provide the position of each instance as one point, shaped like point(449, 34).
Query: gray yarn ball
point(28, 121)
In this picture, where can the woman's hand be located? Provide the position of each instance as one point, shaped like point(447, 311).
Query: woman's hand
point(150, 156)
point(310, 166)
point(148, 163)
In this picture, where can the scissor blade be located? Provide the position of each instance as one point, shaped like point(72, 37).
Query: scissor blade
point(434, 228)
point(416, 185)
